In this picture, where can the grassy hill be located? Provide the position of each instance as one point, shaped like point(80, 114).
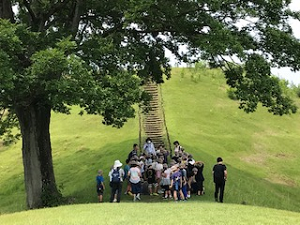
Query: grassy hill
point(260, 150)
point(163, 213)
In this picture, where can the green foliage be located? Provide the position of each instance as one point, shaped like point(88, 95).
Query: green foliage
point(49, 200)
point(231, 92)
point(257, 85)
point(296, 90)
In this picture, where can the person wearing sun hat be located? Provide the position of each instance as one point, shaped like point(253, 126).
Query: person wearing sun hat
point(135, 175)
point(116, 180)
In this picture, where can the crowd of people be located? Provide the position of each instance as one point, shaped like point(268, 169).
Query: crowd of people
point(155, 172)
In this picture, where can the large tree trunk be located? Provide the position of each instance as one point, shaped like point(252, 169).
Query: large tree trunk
point(37, 156)
point(6, 10)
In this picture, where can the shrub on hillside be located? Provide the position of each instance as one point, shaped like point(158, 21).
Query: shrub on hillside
point(231, 94)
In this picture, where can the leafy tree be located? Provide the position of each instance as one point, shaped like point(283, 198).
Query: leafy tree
point(96, 53)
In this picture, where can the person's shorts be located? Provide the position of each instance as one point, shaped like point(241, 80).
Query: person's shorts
point(176, 186)
point(136, 188)
point(166, 187)
point(100, 190)
point(150, 185)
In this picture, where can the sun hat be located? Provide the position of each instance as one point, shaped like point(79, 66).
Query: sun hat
point(117, 164)
point(133, 163)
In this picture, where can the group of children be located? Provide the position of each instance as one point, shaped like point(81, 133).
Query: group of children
point(155, 172)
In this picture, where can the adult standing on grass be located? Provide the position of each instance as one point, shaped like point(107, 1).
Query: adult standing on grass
point(135, 175)
point(116, 179)
point(220, 177)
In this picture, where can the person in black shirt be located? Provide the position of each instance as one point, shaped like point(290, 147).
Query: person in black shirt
point(220, 177)
point(150, 178)
point(134, 152)
point(199, 177)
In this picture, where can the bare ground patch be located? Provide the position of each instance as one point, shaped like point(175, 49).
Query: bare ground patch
point(257, 159)
point(268, 132)
point(275, 179)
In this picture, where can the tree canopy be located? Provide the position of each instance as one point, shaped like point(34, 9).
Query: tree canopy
point(96, 53)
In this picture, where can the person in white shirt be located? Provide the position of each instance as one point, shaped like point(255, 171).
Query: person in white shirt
point(149, 147)
point(135, 175)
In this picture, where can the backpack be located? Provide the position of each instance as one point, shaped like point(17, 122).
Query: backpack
point(115, 176)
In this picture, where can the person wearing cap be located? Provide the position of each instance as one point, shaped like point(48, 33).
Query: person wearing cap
point(116, 180)
point(220, 177)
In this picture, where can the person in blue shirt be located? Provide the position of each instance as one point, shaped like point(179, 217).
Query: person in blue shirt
point(100, 185)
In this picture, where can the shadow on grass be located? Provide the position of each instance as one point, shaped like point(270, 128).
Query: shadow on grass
point(76, 173)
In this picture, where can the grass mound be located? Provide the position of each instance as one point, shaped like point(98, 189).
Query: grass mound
point(260, 150)
point(163, 213)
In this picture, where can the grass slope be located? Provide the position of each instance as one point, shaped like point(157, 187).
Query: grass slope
point(261, 150)
point(163, 213)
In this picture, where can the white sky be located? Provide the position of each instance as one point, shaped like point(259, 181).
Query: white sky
point(284, 73)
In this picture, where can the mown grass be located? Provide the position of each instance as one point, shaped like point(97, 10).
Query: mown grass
point(260, 150)
point(162, 213)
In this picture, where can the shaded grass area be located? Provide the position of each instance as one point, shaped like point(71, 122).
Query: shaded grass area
point(162, 213)
point(260, 150)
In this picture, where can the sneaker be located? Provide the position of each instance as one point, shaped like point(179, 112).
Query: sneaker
point(155, 194)
point(115, 200)
point(134, 199)
point(138, 197)
point(188, 196)
point(129, 192)
point(151, 194)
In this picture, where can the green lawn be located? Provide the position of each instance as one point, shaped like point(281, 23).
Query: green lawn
point(162, 213)
point(260, 150)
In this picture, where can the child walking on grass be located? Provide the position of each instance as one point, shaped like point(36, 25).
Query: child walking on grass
point(100, 185)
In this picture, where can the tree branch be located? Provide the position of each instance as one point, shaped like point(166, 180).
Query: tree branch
point(76, 17)
point(29, 9)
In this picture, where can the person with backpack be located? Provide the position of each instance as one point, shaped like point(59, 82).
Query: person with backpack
point(116, 180)
point(220, 177)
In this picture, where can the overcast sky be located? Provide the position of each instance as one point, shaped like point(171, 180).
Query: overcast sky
point(284, 73)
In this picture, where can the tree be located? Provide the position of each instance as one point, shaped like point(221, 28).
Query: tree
point(96, 53)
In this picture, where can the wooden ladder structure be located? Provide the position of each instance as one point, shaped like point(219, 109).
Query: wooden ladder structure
point(153, 123)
